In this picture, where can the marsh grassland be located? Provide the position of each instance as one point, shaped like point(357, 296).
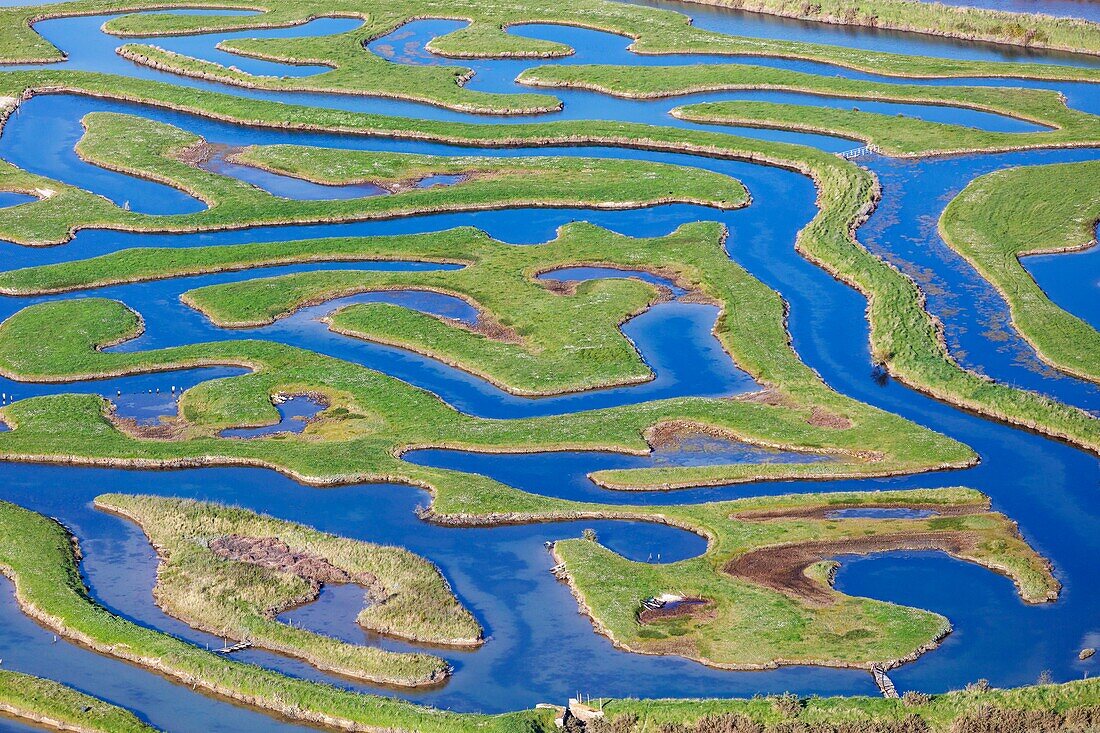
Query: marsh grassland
point(644, 170)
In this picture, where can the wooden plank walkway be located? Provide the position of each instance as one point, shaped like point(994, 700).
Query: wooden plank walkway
point(858, 152)
point(239, 646)
point(885, 685)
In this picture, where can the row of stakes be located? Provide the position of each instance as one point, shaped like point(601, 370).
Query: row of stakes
point(6, 398)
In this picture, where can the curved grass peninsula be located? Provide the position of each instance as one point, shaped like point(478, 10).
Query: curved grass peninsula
point(56, 706)
point(231, 572)
point(39, 557)
point(896, 135)
point(774, 553)
point(1009, 214)
point(169, 155)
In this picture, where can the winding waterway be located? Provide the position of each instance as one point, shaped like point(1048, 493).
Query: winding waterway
point(539, 647)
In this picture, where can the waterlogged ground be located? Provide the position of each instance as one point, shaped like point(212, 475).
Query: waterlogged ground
point(539, 648)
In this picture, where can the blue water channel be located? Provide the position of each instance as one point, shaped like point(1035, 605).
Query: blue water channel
point(539, 648)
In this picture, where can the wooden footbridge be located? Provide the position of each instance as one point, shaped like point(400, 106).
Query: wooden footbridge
point(238, 647)
point(858, 152)
point(885, 686)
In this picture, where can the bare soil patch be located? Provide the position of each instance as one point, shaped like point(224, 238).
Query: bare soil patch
point(273, 553)
point(685, 608)
point(782, 567)
point(820, 418)
point(822, 512)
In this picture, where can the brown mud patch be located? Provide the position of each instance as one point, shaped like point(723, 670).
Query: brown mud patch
point(199, 153)
point(823, 511)
point(168, 428)
point(274, 554)
point(770, 396)
point(820, 418)
point(490, 328)
point(672, 434)
point(782, 567)
point(691, 607)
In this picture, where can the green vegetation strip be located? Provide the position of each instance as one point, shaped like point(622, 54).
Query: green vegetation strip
point(356, 71)
point(1069, 707)
point(160, 152)
point(1008, 214)
point(37, 554)
point(899, 134)
point(231, 572)
point(54, 705)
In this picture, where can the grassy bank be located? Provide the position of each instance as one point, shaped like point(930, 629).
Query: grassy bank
point(283, 565)
point(1031, 30)
point(891, 134)
point(57, 706)
point(1008, 214)
point(164, 153)
point(1039, 707)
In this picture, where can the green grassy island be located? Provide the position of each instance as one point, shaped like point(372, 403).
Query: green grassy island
point(231, 572)
point(761, 597)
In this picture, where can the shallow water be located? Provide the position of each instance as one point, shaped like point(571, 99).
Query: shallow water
point(535, 634)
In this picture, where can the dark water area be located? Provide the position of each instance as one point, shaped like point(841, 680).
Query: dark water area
point(14, 199)
point(580, 274)
point(534, 631)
